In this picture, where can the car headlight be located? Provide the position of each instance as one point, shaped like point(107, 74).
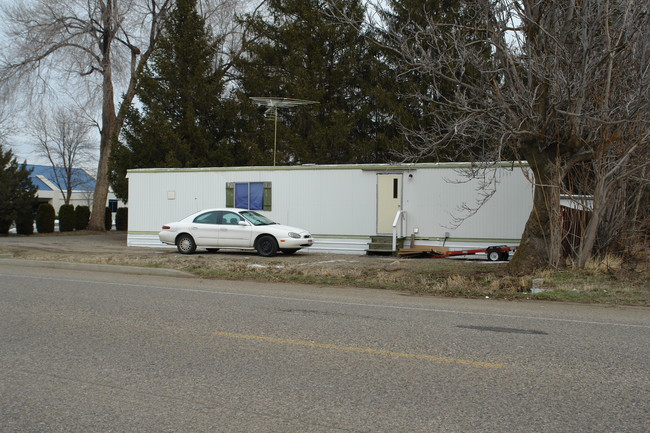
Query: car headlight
point(294, 235)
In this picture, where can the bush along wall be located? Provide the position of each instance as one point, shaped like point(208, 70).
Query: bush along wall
point(25, 220)
point(45, 218)
point(66, 218)
point(81, 217)
point(122, 219)
point(108, 219)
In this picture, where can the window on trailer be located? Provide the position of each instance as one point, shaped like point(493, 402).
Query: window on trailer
point(249, 195)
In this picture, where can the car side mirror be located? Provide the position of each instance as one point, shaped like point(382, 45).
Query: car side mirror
point(243, 223)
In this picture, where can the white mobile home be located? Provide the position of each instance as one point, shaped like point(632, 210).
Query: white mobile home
point(343, 206)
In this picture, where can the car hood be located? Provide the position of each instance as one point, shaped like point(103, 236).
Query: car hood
point(283, 228)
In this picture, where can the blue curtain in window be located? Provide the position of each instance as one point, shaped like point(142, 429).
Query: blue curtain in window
point(241, 195)
point(249, 195)
point(256, 195)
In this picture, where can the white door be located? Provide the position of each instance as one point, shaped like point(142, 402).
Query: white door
point(205, 230)
point(389, 201)
point(231, 234)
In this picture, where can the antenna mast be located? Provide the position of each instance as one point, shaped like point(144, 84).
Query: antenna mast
point(273, 104)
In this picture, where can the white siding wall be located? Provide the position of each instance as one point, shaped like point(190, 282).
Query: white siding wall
point(326, 201)
point(336, 200)
point(83, 198)
point(433, 198)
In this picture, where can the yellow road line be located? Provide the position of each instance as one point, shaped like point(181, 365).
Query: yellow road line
point(358, 349)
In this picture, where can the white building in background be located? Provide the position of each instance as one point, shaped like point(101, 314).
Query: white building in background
point(343, 206)
point(49, 181)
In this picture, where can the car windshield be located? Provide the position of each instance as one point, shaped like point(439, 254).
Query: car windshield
point(256, 219)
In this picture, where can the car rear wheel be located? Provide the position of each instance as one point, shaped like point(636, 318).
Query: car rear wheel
point(185, 244)
point(267, 246)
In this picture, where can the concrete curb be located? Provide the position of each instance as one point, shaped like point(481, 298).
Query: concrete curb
point(135, 270)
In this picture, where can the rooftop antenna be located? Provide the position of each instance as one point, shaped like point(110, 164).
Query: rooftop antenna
point(273, 104)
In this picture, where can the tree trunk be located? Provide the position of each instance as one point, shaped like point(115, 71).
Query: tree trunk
point(588, 239)
point(591, 231)
point(541, 241)
point(108, 133)
point(68, 185)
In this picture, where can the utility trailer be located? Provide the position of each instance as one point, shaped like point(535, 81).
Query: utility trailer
point(494, 253)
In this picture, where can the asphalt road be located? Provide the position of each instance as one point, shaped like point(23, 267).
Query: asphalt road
point(85, 351)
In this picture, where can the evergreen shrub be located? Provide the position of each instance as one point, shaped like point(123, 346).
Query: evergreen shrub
point(122, 219)
point(25, 220)
point(66, 218)
point(108, 219)
point(81, 217)
point(45, 218)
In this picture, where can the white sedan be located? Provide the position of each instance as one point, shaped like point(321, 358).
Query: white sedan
point(233, 228)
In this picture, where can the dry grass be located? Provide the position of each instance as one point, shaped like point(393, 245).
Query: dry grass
point(600, 283)
point(608, 280)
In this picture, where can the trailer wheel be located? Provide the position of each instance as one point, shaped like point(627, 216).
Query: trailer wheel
point(493, 255)
point(504, 256)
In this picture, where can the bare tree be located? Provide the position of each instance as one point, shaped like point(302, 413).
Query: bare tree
point(64, 139)
point(562, 82)
point(616, 126)
point(616, 177)
point(6, 126)
point(87, 39)
point(78, 38)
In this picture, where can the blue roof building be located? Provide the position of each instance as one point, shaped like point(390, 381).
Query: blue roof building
point(51, 183)
point(48, 178)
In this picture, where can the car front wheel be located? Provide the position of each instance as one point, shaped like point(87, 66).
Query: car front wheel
point(185, 244)
point(267, 246)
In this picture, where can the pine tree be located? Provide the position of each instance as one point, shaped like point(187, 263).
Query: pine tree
point(297, 51)
point(181, 119)
point(420, 100)
point(17, 192)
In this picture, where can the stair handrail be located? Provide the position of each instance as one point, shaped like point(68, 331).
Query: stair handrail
point(400, 218)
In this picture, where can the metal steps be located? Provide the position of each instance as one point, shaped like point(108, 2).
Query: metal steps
point(383, 245)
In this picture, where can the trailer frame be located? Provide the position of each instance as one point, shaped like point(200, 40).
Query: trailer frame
point(493, 253)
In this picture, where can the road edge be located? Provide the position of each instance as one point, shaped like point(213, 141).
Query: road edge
point(134, 270)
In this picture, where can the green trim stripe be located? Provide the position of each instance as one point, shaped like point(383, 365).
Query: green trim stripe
point(363, 167)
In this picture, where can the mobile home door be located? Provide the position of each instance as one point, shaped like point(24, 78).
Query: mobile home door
point(389, 201)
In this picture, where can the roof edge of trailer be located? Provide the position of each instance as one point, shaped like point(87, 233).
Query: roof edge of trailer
point(363, 167)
